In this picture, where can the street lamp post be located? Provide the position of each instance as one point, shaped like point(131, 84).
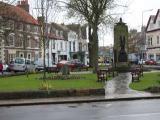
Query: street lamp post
point(144, 11)
point(143, 35)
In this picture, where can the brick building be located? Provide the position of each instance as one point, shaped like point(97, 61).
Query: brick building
point(19, 32)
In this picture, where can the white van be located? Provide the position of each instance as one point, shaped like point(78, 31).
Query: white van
point(22, 64)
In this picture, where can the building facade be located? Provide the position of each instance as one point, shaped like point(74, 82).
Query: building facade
point(19, 35)
point(153, 37)
point(66, 44)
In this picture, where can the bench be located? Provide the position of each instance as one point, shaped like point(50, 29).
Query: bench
point(137, 73)
point(102, 75)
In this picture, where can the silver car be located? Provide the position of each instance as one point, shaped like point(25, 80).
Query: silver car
point(23, 65)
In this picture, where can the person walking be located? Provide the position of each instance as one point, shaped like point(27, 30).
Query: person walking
point(1, 67)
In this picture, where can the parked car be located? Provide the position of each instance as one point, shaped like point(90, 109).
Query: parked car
point(151, 62)
point(65, 62)
point(5, 67)
point(39, 64)
point(21, 64)
point(10, 66)
point(158, 62)
point(77, 63)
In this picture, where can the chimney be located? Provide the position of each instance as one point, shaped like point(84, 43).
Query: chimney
point(23, 4)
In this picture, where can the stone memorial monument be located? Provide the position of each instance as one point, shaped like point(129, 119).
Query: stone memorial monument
point(121, 45)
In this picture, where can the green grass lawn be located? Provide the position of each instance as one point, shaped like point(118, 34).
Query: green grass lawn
point(21, 83)
point(149, 80)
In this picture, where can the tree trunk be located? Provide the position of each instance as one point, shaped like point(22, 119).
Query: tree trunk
point(95, 48)
point(90, 46)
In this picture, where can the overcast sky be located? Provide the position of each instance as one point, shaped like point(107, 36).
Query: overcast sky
point(132, 15)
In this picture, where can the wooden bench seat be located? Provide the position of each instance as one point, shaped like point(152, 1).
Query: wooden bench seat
point(137, 72)
point(102, 75)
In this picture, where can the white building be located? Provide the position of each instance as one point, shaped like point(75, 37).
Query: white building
point(66, 44)
point(153, 37)
point(77, 37)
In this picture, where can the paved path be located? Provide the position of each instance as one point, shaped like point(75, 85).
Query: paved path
point(119, 87)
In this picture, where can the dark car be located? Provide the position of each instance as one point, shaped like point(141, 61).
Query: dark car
point(150, 62)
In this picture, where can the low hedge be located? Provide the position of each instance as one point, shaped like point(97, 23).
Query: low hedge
point(50, 94)
point(154, 89)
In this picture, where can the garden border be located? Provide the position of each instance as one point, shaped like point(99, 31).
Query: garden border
point(51, 93)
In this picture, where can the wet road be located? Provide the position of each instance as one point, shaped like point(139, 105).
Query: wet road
point(126, 110)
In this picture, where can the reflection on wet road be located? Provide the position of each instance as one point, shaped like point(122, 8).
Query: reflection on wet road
point(126, 110)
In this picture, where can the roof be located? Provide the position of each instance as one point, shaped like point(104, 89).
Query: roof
point(152, 17)
point(59, 26)
point(155, 19)
point(16, 13)
point(53, 36)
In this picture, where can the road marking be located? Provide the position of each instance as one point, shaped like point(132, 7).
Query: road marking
point(135, 115)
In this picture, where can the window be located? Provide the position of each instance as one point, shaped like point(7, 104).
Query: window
point(149, 40)
point(74, 47)
point(20, 41)
point(29, 56)
point(151, 25)
point(80, 46)
point(159, 23)
point(66, 46)
point(11, 57)
point(61, 33)
point(36, 29)
point(28, 42)
point(11, 24)
point(69, 45)
point(53, 44)
point(61, 45)
point(28, 28)
point(11, 40)
point(36, 43)
point(157, 39)
point(32, 28)
point(21, 55)
point(56, 32)
point(20, 26)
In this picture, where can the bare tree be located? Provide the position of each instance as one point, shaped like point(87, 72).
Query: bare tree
point(44, 9)
point(94, 12)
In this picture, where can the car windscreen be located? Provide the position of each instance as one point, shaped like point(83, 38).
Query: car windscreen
point(19, 61)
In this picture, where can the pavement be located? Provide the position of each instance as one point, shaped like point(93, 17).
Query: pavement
point(116, 89)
